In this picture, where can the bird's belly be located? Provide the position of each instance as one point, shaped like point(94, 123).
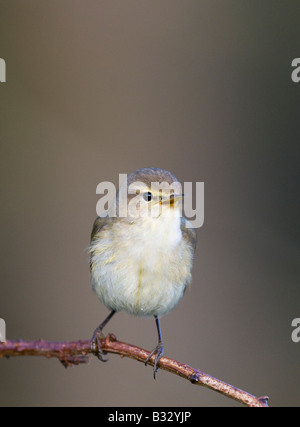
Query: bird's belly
point(145, 285)
point(145, 275)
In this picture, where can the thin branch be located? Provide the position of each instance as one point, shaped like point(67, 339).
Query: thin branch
point(75, 352)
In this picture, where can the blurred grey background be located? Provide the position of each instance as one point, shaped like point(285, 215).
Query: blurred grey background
point(201, 88)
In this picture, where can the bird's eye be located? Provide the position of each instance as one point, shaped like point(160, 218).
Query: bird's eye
point(147, 196)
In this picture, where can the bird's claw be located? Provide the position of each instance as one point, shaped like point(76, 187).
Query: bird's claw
point(158, 351)
point(96, 345)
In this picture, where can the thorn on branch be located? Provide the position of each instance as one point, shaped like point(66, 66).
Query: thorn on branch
point(263, 400)
point(69, 361)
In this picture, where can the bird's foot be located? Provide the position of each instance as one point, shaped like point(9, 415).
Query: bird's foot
point(158, 351)
point(96, 344)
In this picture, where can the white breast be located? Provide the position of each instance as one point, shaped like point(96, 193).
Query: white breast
point(141, 268)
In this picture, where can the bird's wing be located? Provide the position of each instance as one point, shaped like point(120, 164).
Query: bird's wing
point(99, 225)
point(100, 222)
point(188, 232)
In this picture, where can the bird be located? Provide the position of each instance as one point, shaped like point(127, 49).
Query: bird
point(141, 262)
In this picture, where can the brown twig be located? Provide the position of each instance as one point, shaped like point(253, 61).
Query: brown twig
point(75, 352)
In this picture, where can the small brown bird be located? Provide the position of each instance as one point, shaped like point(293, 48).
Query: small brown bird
point(141, 262)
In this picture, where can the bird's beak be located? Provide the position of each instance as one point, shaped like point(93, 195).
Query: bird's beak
point(172, 199)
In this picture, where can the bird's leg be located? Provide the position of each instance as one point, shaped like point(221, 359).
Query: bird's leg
point(159, 349)
point(97, 336)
